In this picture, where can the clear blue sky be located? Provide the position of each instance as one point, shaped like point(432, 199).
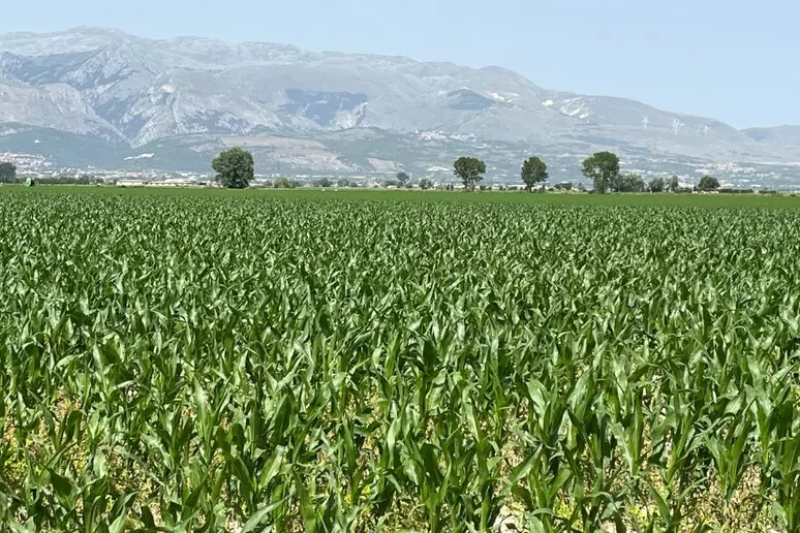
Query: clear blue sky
point(735, 60)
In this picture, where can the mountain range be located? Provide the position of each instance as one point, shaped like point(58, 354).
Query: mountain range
point(103, 98)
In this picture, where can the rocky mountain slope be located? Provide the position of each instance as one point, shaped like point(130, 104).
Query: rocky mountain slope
point(180, 99)
point(780, 135)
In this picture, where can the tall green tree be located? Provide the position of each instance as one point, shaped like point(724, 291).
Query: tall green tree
point(534, 171)
point(656, 185)
point(628, 183)
point(425, 184)
point(402, 179)
point(283, 183)
point(674, 184)
point(603, 169)
point(8, 172)
point(470, 170)
point(235, 168)
point(708, 183)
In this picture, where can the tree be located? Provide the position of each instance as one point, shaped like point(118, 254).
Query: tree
point(656, 185)
point(235, 168)
point(708, 183)
point(284, 183)
point(343, 183)
point(603, 169)
point(324, 183)
point(534, 171)
point(564, 186)
point(402, 179)
point(629, 183)
point(674, 184)
point(470, 170)
point(425, 184)
point(8, 172)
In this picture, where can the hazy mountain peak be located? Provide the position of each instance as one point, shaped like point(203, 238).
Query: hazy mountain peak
point(96, 30)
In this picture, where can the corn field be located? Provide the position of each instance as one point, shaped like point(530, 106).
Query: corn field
point(202, 363)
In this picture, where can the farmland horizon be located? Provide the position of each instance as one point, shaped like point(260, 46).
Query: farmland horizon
point(166, 106)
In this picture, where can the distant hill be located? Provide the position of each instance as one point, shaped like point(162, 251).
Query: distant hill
point(114, 96)
point(778, 136)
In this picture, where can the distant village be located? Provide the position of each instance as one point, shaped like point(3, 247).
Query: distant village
point(440, 178)
point(324, 182)
point(38, 167)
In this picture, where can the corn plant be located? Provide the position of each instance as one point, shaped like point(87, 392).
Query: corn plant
point(186, 362)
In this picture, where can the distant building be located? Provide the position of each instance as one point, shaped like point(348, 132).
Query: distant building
point(131, 183)
point(174, 182)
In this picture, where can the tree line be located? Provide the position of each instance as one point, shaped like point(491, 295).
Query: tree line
point(602, 169)
point(235, 169)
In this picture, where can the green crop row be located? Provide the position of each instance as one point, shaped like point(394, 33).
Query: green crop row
point(223, 363)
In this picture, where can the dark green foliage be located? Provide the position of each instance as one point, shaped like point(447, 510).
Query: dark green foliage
point(603, 169)
point(708, 183)
point(656, 185)
point(284, 183)
point(8, 172)
point(740, 191)
point(674, 184)
point(628, 183)
point(235, 168)
point(83, 179)
point(402, 179)
point(470, 170)
point(534, 171)
point(425, 183)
